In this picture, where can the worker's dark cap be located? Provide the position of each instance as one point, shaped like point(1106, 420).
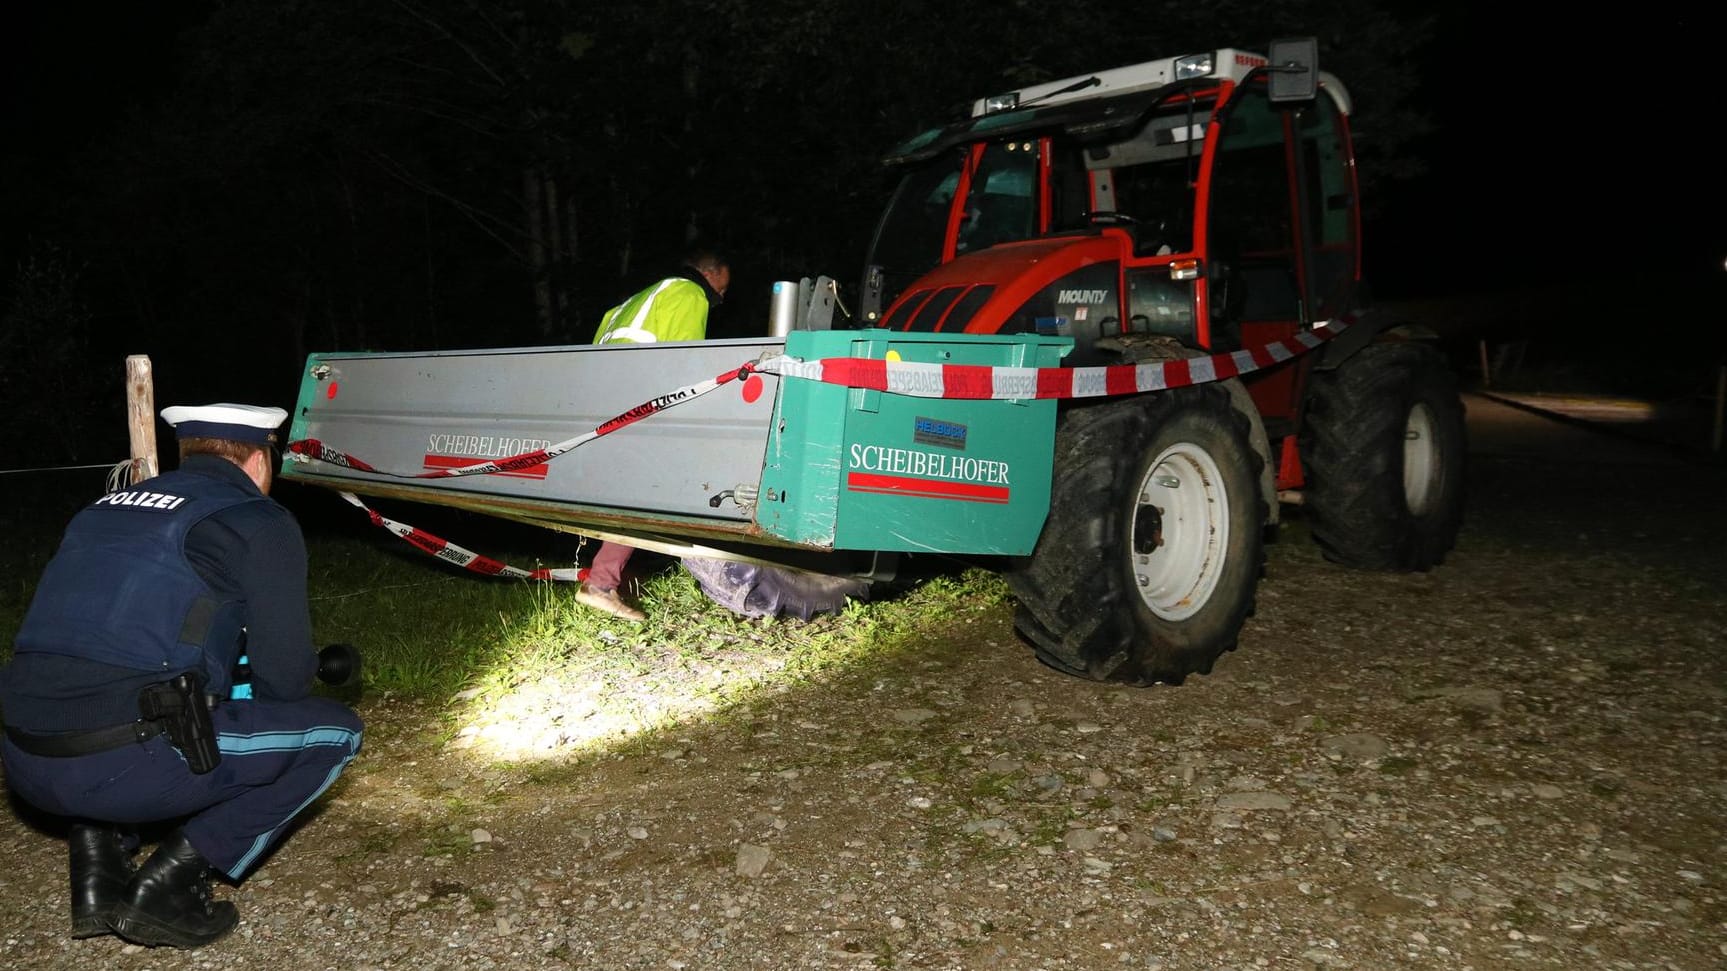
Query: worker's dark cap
point(234, 423)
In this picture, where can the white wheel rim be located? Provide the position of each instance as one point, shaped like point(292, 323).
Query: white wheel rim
point(1421, 466)
point(1176, 579)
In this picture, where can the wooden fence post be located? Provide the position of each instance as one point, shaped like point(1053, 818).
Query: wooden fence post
point(141, 417)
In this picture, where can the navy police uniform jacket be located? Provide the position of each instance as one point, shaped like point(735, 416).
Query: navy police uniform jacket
point(156, 580)
point(147, 584)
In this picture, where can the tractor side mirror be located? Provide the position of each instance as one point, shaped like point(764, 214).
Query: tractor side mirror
point(1294, 69)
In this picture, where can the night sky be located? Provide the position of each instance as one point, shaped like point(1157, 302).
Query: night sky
point(1574, 159)
point(72, 70)
point(1576, 152)
point(1571, 148)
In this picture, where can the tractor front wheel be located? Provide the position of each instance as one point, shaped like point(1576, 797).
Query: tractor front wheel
point(1146, 568)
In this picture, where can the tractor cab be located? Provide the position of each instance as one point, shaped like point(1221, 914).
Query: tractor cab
point(1207, 198)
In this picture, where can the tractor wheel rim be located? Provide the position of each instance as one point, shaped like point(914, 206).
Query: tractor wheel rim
point(1176, 578)
point(1421, 464)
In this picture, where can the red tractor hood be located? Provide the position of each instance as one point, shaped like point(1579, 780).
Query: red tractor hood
point(987, 287)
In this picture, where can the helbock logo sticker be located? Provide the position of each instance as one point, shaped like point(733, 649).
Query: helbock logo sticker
point(934, 431)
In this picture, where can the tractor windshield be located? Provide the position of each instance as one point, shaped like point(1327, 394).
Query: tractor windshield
point(1139, 170)
point(909, 239)
point(1000, 206)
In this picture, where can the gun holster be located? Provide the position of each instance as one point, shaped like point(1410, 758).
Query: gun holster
point(184, 711)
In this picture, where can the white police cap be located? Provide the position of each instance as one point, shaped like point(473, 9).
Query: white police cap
point(234, 423)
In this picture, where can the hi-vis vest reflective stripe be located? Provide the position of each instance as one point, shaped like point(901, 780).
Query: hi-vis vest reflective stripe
point(673, 309)
point(634, 332)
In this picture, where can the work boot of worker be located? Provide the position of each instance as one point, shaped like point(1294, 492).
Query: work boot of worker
point(100, 867)
point(168, 900)
point(611, 603)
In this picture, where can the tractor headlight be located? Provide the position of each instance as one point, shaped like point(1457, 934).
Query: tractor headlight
point(1195, 66)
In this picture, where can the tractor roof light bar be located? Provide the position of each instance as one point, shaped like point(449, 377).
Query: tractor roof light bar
point(1123, 80)
point(1293, 65)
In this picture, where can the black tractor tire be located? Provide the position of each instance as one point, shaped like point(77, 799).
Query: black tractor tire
point(1147, 565)
point(758, 590)
point(1384, 447)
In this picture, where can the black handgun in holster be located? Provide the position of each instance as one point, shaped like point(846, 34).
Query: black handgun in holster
point(184, 711)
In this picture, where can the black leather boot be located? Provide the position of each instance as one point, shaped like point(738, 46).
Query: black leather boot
point(168, 900)
point(100, 867)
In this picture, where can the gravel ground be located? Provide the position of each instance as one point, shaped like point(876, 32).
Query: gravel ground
point(1512, 762)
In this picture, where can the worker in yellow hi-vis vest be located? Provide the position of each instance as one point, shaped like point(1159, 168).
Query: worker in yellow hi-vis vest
point(672, 309)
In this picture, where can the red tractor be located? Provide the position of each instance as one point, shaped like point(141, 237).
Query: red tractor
point(1179, 208)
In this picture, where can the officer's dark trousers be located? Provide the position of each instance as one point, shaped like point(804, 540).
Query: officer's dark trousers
point(276, 758)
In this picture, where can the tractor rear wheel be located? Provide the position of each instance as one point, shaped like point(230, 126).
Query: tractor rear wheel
point(1384, 450)
point(1146, 567)
point(759, 590)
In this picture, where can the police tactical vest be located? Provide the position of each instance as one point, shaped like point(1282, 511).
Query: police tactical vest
point(120, 591)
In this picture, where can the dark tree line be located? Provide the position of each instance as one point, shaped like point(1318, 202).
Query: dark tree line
point(291, 176)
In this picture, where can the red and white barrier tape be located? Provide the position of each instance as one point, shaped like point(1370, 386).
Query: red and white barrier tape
point(982, 381)
point(467, 559)
point(972, 381)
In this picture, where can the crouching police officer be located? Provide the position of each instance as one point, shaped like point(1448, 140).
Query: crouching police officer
point(116, 701)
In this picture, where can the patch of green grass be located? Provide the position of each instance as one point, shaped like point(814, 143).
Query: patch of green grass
point(1396, 765)
point(1050, 828)
point(993, 785)
point(562, 677)
point(452, 840)
point(422, 627)
point(379, 841)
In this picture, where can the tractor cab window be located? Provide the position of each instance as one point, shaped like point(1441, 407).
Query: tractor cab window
point(909, 239)
point(1253, 267)
point(1002, 204)
point(1069, 186)
point(1328, 207)
point(1159, 198)
point(1150, 176)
